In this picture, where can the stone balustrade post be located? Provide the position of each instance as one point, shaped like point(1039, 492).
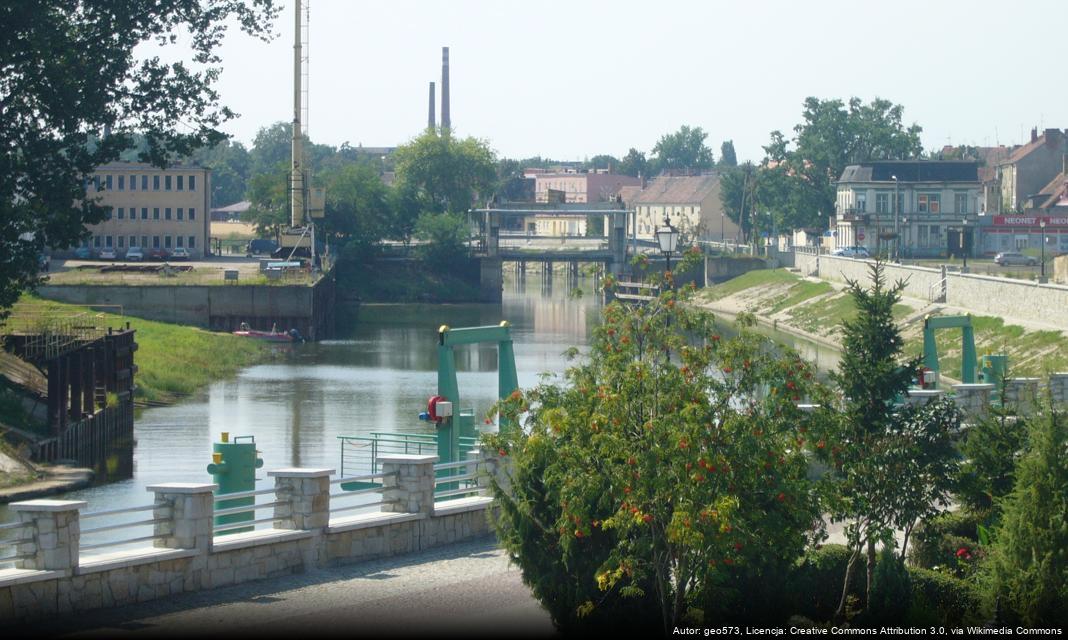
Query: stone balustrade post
point(485, 466)
point(409, 485)
point(1058, 388)
point(973, 399)
point(51, 534)
point(305, 494)
point(920, 397)
point(187, 511)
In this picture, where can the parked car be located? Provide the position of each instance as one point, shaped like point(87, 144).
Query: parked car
point(260, 246)
point(83, 253)
point(108, 254)
point(1009, 258)
point(159, 254)
point(134, 254)
point(180, 253)
point(852, 252)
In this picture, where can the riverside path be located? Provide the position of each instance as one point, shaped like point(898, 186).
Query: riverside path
point(466, 589)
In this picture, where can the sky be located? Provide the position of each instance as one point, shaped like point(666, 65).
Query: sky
point(572, 79)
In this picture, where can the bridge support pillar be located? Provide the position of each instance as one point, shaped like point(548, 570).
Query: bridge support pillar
point(409, 487)
point(186, 513)
point(491, 279)
point(51, 533)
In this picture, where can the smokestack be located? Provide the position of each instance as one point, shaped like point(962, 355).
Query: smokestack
point(446, 122)
point(431, 121)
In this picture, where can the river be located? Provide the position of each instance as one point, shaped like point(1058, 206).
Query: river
point(376, 376)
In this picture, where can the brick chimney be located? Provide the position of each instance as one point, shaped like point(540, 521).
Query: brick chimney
point(1053, 136)
point(1034, 134)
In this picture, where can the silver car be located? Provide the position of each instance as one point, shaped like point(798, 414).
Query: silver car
point(1010, 258)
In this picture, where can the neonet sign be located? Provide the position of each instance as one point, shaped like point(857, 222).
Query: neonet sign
point(1031, 221)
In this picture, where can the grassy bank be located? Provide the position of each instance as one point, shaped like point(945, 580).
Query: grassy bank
point(818, 308)
point(174, 360)
point(408, 281)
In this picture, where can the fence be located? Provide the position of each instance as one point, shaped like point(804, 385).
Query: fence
point(405, 508)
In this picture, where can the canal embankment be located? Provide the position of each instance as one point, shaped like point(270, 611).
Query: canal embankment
point(814, 309)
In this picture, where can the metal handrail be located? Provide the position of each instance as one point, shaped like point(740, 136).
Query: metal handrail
point(456, 465)
point(448, 479)
point(123, 525)
point(457, 492)
point(112, 512)
point(242, 494)
point(357, 492)
point(367, 477)
point(14, 525)
point(240, 525)
point(247, 508)
point(364, 505)
point(115, 543)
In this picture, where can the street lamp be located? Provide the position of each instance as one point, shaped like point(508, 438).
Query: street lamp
point(897, 212)
point(905, 222)
point(1042, 240)
point(668, 238)
point(963, 249)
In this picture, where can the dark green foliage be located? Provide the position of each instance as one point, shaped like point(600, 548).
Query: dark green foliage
point(815, 586)
point(1029, 558)
point(634, 164)
point(727, 156)
point(890, 591)
point(446, 235)
point(990, 449)
point(69, 74)
point(942, 599)
point(935, 541)
point(449, 174)
point(683, 152)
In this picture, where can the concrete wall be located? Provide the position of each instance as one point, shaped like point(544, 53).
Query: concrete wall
point(1022, 299)
point(723, 268)
point(918, 280)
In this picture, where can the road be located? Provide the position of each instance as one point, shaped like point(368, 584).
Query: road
point(466, 589)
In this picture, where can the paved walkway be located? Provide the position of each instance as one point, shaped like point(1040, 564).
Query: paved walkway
point(466, 589)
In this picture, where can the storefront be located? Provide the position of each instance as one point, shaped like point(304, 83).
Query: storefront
point(1022, 232)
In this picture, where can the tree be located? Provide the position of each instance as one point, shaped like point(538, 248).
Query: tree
point(683, 152)
point(990, 450)
point(269, 212)
point(69, 72)
point(230, 165)
point(670, 465)
point(449, 173)
point(727, 156)
point(890, 466)
point(634, 164)
point(832, 136)
point(446, 236)
point(603, 161)
point(357, 209)
point(736, 189)
point(1029, 559)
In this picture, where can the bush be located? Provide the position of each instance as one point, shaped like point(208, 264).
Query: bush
point(943, 599)
point(446, 235)
point(935, 542)
point(890, 591)
point(816, 583)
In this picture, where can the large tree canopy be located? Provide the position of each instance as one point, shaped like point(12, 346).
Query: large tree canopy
point(683, 152)
point(832, 136)
point(449, 173)
point(67, 74)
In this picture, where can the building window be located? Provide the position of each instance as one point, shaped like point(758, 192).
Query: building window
point(122, 242)
point(155, 183)
point(107, 214)
point(936, 236)
point(181, 213)
point(144, 241)
point(960, 201)
point(928, 203)
point(192, 242)
point(144, 183)
point(107, 242)
point(167, 183)
point(155, 213)
point(144, 213)
point(155, 242)
point(180, 180)
point(192, 183)
point(107, 182)
point(133, 183)
point(882, 203)
point(122, 213)
point(167, 213)
point(96, 182)
point(96, 241)
point(166, 242)
point(133, 241)
point(862, 202)
point(192, 213)
point(178, 240)
point(122, 183)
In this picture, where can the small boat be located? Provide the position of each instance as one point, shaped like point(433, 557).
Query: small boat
point(274, 335)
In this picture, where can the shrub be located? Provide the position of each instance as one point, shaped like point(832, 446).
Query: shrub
point(815, 584)
point(936, 541)
point(943, 599)
point(890, 591)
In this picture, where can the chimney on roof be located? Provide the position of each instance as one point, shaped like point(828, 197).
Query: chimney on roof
point(431, 121)
point(1053, 136)
point(446, 121)
point(1034, 134)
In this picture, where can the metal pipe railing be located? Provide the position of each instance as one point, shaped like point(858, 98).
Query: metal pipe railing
point(456, 492)
point(123, 525)
point(112, 512)
point(115, 543)
point(363, 506)
point(241, 525)
point(247, 508)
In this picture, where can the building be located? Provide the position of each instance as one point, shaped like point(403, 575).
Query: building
point(692, 204)
point(1045, 221)
point(576, 188)
point(1028, 169)
point(939, 200)
point(151, 208)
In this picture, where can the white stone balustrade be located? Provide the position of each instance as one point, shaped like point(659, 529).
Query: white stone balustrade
point(1058, 388)
point(920, 397)
point(54, 534)
point(186, 509)
point(1021, 394)
point(408, 486)
point(973, 399)
point(306, 497)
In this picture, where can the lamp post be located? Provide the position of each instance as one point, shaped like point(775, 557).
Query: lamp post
point(963, 249)
point(905, 222)
point(1042, 241)
point(897, 212)
point(667, 237)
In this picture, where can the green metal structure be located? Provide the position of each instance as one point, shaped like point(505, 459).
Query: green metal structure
point(930, 348)
point(233, 468)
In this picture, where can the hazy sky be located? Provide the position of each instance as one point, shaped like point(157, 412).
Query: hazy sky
point(573, 79)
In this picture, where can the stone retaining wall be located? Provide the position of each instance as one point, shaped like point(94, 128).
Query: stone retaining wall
point(53, 579)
